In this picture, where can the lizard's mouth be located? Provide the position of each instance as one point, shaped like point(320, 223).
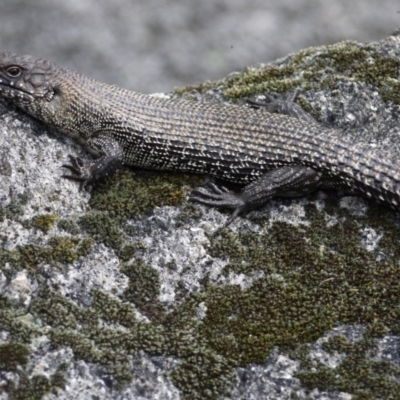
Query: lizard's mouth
point(15, 94)
point(23, 93)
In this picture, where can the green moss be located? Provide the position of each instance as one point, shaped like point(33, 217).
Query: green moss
point(113, 310)
point(383, 222)
point(128, 252)
point(203, 375)
point(22, 327)
point(36, 387)
point(357, 374)
point(12, 355)
point(349, 60)
point(144, 287)
point(58, 380)
point(68, 226)
point(103, 228)
point(14, 210)
point(20, 331)
point(315, 278)
point(307, 280)
point(43, 222)
point(14, 358)
point(59, 250)
point(189, 212)
point(317, 269)
point(32, 389)
point(56, 310)
point(129, 195)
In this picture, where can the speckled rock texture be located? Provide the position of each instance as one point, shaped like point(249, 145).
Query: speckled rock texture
point(126, 291)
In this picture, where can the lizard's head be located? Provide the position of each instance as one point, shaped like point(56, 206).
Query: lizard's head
point(26, 80)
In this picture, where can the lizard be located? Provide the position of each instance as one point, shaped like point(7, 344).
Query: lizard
point(268, 154)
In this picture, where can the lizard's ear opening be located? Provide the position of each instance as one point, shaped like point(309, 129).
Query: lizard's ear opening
point(53, 93)
point(57, 90)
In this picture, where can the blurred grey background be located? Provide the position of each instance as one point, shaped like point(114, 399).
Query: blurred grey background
point(155, 45)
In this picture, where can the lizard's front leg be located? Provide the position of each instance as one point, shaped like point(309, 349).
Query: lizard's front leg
point(110, 158)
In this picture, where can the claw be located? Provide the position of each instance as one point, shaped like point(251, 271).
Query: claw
point(76, 164)
point(234, 215)
point(216, 189)
point(75, 161)
point(71, 168)
point(74, 177)
point(221, 197)
point(77, 167)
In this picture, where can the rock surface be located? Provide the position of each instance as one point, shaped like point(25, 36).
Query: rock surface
point(127, 291)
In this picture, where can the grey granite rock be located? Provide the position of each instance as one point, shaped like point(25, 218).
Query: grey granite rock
point(128, 292)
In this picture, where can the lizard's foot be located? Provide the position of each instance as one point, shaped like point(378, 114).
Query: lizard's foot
point(283, 105)
point(110, 158)
point(216, 196)
point(92, 172)
point(221, 197)
point(78, 169)
point(80, 172)
point(288, 181)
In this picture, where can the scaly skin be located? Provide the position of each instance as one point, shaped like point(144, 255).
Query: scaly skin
point(270, 153)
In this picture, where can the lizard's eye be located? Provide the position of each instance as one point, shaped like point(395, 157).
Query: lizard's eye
point(13, 71)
